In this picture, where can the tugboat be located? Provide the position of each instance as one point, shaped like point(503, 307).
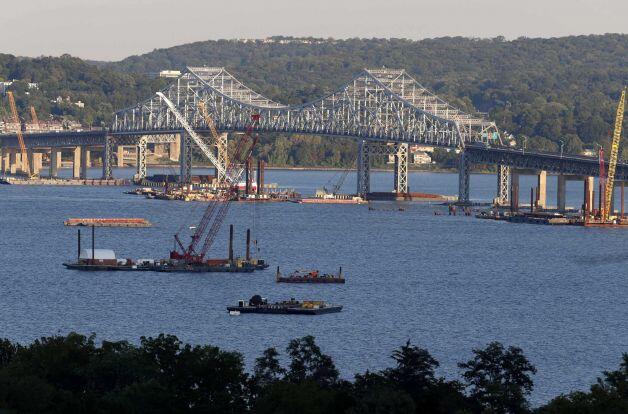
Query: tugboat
point(258, 304)
point(310, 276)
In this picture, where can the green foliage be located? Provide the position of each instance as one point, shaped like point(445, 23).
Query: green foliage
point(499, 378)
point(71, 374)
point(609, 395)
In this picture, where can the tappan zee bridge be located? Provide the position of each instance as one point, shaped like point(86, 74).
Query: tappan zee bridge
point(384, 110)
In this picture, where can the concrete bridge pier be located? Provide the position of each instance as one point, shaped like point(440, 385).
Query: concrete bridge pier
point(174, 150)
point(561, 190)
point(14, 161)
point(589, 194)
point(4, 160)
point(76, 163)
point(55, 162)
point(541, 190)
point(34, 160)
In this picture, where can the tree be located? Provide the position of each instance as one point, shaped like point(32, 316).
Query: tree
point(307, 362)
point(499, 379)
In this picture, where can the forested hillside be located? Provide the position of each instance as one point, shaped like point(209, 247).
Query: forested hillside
point(101, 90)
point(546, 90)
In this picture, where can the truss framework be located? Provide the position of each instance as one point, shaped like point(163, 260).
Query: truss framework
point(377, 105)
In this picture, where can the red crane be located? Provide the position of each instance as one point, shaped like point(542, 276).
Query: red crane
point(216, 211)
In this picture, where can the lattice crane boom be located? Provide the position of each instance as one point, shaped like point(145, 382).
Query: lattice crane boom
point(612, 162)
point(20, 138)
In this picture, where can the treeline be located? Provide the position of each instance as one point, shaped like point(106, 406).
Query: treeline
point(71, 374)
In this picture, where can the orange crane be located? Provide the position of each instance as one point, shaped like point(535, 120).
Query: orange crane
point(34, 119)
point(20, 138)
point(612, 162)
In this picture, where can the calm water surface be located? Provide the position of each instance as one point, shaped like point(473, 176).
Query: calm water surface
point(447, 283)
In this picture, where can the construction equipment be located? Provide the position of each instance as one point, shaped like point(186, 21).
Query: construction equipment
point(612, 162)
point(216, 211)
point(34, 119)
point(20, 138)
point(219, 142)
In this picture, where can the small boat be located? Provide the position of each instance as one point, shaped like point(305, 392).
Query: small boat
point(258, 304)
point(309, 276)
point(234, 312)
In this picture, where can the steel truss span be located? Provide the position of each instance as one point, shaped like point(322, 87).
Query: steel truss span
point(377, 105)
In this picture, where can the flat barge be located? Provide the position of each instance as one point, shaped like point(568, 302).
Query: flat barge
point(311, 276)
point(257, 304)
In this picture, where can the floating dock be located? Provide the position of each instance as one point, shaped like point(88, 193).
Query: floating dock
point(108, 222)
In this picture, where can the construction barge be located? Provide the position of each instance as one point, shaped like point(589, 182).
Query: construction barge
point(311, 276)
point(105, 259)
point(258, 304)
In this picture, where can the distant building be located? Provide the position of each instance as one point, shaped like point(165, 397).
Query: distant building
point(79, 104)
point(169, 73)
point(32, 85)
point(589, 152)
point(420, 157)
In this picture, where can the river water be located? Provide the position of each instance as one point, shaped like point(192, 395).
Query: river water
point(447, 283)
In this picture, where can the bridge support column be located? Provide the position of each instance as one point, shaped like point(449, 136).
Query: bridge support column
point(76, 163)
point(55, 161)
point(401, 168)
point(141, 159)
point(463, 179)
point(84, 157)
point(589, 189)
point(14, 161)
point(174, 149)
point(503, 185)
point(120, 155)
point(364, 169)
point(561, 191)
point(4, 161)
point(35, 160)
point(514, 191)
point(542, 189)
point(185, 176)
point(107, 158)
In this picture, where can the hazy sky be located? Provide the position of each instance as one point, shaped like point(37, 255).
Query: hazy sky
point(114, 29)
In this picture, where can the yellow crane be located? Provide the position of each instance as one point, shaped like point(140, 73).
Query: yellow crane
point(20, 138)
point(221, 143)
point(612, 162)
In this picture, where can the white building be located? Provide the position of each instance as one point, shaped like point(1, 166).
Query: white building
point(169, 73)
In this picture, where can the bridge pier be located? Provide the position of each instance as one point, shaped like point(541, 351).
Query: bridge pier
point(589, 194)
point(4, 161)
point(503, 185)
point(14, 161)
point(84, 161)
point(76, 163)
point(34, 161)
point(107, 158)
point(55, 161)
point(401, 168)
point(174, 150)
point(541, 192)
point(185, 176)
point(364, 169)
point(120, 156)
point(463, 179)
point(561, 190)
point(140, 163)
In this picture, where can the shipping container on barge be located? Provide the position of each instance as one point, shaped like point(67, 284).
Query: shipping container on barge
point(257, 304)
point(309, 276)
